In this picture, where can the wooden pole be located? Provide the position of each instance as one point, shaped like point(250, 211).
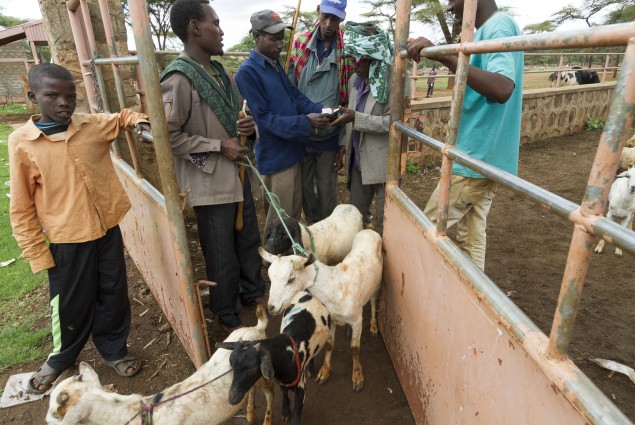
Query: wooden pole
point(294, 24)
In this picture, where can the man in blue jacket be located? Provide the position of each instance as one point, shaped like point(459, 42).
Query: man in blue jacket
point(284, 116)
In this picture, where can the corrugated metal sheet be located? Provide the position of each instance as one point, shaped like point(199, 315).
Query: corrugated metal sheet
point(33, 31)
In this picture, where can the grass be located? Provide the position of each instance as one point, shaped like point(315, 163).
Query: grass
point(13, 108)
point(23, 333)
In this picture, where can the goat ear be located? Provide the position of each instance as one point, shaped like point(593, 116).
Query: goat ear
point(228, 345)
point(310, 260)
point(265, 255)
point(266, 367)
point(87, 374)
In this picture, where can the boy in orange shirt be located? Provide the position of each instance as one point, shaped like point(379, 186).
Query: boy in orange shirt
point(64, 189)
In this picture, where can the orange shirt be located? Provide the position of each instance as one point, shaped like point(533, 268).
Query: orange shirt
point(64, 186)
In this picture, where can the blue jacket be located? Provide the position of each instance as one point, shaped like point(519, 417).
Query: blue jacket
point(279, 109)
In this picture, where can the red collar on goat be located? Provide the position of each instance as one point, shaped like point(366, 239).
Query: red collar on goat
point(297, 365)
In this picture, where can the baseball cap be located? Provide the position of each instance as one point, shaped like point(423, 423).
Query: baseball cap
point(268, 21)
point(334, 7)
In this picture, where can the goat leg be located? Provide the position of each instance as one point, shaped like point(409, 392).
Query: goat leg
point(298, 403)
point(325, 370)
point(358, 374)
point(266, 386)
point(251, 414)
point(373, 315)
point(285, 404)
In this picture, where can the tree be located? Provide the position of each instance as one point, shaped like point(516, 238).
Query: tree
point(10, 21)
point(587, 12)
point(545, 26)
point(306, 20)
point(159, 14)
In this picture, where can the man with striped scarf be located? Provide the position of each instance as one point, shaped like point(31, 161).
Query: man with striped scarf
point(320, 70)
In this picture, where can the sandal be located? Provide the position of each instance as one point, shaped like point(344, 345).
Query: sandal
point(127, 366)
point(42, 380)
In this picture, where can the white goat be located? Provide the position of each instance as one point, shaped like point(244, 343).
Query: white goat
point(81, 399)
point(621, 204)
point(332, 237)
point(627, 158)
point(344, 289)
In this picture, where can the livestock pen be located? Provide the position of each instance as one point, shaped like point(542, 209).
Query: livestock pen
point(457, 342)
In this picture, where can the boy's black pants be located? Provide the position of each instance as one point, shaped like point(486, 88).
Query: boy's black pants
point(89, 296)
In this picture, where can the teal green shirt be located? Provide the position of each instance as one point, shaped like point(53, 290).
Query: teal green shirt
point(490, 131)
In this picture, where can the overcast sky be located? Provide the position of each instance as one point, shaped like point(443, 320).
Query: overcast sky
point(234, 15)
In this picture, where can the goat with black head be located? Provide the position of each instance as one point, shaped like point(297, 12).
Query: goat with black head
point(305, 329)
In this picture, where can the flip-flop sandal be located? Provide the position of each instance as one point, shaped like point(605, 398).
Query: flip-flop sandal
point(122, 365)
point(44, 378)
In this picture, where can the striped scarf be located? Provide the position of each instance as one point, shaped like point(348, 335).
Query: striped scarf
point(300, 56)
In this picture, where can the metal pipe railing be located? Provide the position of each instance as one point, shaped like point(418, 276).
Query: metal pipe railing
point(456, 107)
point(542, 197)
point(397, 94)
point(82, 54)
point(112, 50)
point(608, 35)
point(150, 73)
point(617, 126)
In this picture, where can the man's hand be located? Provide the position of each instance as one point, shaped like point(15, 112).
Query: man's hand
point(415, 46)
point(339, 159)
point(142, 126)
point(318, 120)
point(246, 126)
point(346, 116)
point(231, 149)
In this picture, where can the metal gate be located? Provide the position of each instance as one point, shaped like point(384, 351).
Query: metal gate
point(464, 352)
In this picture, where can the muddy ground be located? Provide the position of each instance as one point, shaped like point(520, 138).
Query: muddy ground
point(527, 249)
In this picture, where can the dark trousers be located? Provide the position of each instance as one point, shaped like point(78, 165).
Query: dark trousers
point(318, 174)
point(89, 296)
point(231, 257)
point(362, 197)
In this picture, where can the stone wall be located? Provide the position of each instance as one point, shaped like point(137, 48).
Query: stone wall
point(547, 112)
point(10, 83)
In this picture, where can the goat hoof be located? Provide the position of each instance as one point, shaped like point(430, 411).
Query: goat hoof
point(374, 331)
point(322, 376)
point(285, 419)
point(358, 386)
point(618, 252)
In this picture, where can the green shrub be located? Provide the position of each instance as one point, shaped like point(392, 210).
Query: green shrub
point(594, 124)
point(412, 167)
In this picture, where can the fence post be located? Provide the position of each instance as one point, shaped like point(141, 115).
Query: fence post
point(606, 65)
point(413, 87)
point(559, 70)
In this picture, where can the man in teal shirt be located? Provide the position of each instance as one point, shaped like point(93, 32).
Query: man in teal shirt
point(489, 128)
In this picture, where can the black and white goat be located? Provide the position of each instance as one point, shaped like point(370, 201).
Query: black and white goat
point(332, 237)
point(344, 289)
point(199, 399)
point(621, 204)
point(305, 330)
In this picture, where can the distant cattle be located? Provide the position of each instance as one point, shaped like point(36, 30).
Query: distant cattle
point(575, 77)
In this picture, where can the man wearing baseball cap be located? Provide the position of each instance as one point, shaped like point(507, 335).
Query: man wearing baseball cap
point(283, 114)
point(320, 69)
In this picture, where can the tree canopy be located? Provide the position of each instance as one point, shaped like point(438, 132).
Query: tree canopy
point(10, 21)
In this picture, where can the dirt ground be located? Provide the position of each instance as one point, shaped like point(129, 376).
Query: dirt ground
point(527, 249)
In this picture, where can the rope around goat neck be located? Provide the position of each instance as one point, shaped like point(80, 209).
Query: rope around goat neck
point(148, 409)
